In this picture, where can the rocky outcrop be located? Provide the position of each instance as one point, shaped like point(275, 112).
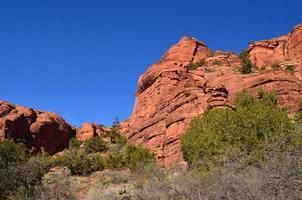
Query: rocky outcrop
point(88, 130)
point(40, 131)
point(169, 95)
point(277, 50)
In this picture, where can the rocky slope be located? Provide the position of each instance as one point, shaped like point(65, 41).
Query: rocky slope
point(169, 96)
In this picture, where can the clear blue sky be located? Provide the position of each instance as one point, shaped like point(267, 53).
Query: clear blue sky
point(82, 59)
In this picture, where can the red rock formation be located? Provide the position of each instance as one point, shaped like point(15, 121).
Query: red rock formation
point(41, 131)
point(277, 50)
point(169, 96)
point(88, 130)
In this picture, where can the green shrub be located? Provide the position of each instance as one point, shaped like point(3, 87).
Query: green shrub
point(116, 137)
point(246, 135)
point(267, 98)
point(19, 173)
point(138, 158)
point(115, 160)
point(74, 143)
point(11, 154)
point(79, 162)
point(94, 145)
point(187, 93)
point(245, 100)
point(290, 68)
point(246, 64)
point(217, 62)
point(28, 177)
point(299, 114)
point(275, 66)
point(193, 66)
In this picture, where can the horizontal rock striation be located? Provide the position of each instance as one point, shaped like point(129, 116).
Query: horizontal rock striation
point(169, 95)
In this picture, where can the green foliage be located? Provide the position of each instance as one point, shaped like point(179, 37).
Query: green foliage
point(246, 135)
point(19, 173)
point(275, 66)
point(299, 114)
point(74, 143)
point(11, 154)
point(138, 158)
point(116, 137)
point(193, 66)
point(267, 98)
point(79, 162)
point(245, 100)
point(217, 62)
point(116, 160)
point(187, 93)
point(94, 145)
point(246, 64)
point(290, 68)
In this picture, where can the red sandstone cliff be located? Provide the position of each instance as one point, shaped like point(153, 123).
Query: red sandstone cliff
point(39, 130)
point(169, 96)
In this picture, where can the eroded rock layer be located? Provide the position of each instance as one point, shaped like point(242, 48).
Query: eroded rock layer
point(40, 131)
point(169, 95)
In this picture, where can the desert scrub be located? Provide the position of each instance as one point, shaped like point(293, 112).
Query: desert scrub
point(247, 134)
point(138, 158)
point(299, 114)
point(79, 162)
point(290, 68)
point(246, 64)
point(193, 66)
point(275, 66)
point(187, 93)
point(74, 143)
point(116, 160)
point(94, 145)
point(116, 137)
point(20, 175)
point(217, 62)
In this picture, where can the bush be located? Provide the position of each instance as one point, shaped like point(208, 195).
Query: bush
point(246, 64)
point(247, 134)
point(116, 160)
point(94, 145)
point(290, 68)
point(20, 174)
point(12, 157)
point(138, 158)
point(79, 162)
point(28, 177)
point(299, 114)
point(116, 137)
point(267, 98)
point(193, 66)
point(217, 62)
point(56, 185)
point(74, 143)
point(275, 66)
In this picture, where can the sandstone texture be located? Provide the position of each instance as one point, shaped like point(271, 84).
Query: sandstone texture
point(41, 131)
point(89, 130)
point(169, 95)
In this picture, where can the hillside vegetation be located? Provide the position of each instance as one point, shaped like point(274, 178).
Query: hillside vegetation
point(252, 152)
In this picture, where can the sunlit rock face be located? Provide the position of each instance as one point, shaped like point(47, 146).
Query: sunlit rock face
point(41, 131)
point(168, 95)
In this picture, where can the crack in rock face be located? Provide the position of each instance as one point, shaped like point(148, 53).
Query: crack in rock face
point(169, 96)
